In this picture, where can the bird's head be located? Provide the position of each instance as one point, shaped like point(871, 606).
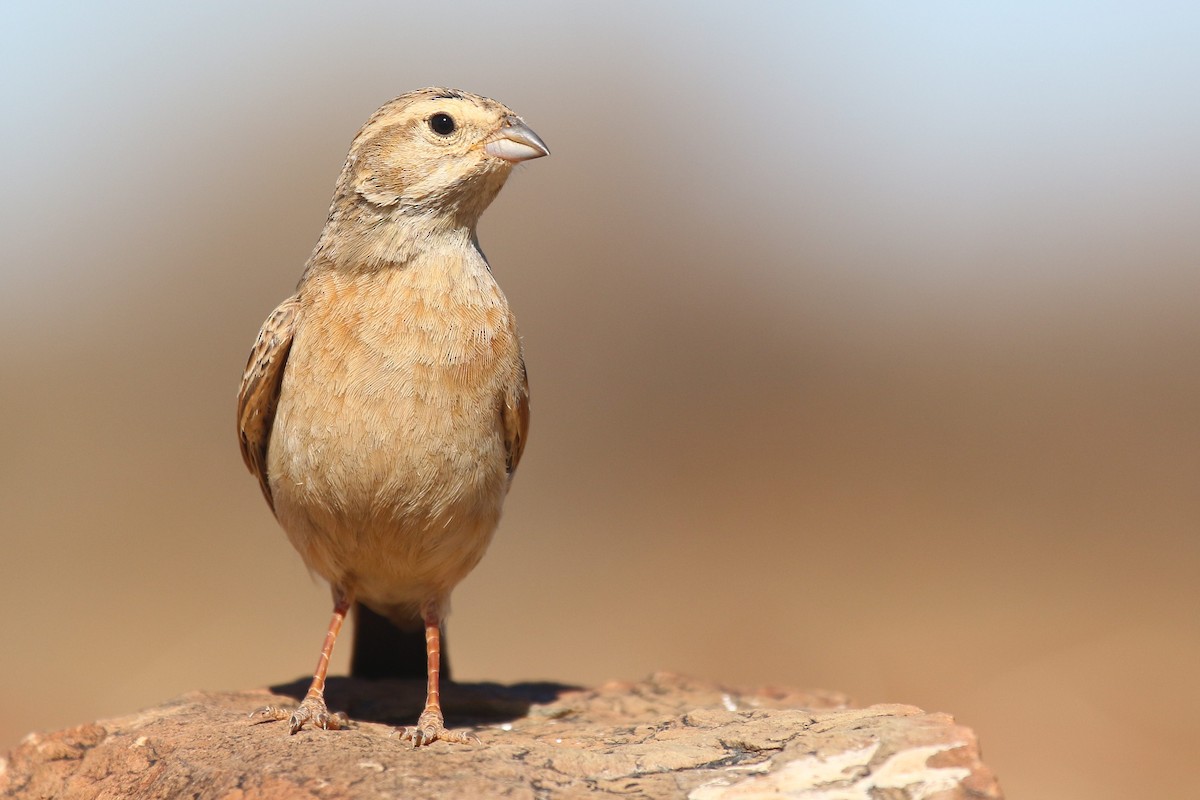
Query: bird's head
point(440, 154)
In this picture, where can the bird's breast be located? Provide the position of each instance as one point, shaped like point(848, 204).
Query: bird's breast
point(390, 403)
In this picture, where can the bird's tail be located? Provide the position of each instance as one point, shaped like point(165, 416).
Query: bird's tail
point(382, 650)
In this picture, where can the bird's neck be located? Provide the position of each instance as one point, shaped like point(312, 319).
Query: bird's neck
point(365, 238)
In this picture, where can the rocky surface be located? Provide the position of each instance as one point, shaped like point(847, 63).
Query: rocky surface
point(661, 738)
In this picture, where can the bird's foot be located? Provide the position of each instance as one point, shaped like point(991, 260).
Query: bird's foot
point(431, 728)
point(311, 712)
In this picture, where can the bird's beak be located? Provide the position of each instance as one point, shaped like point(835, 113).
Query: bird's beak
point(516, 142)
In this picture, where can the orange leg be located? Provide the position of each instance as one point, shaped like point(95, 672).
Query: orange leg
point(431, 725)
point(433, 655)
point(312, 710)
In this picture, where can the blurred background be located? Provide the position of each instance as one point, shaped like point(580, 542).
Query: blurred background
point(863, 340)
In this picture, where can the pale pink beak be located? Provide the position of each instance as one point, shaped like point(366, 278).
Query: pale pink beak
point(516, 142)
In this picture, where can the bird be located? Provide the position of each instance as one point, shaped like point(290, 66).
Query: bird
point(384, 407)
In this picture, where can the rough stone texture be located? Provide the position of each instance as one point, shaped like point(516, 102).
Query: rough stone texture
point(661, 738)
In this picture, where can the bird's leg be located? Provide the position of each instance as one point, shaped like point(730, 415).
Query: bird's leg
point(312, 710)
point(431, 725)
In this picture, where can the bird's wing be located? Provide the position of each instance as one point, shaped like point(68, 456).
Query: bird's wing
point(259, 394)
point(516, 420)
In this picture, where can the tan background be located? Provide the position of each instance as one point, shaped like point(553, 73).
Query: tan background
point(864, 347)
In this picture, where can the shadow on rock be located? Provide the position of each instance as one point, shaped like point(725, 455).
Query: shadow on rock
point(399, 702)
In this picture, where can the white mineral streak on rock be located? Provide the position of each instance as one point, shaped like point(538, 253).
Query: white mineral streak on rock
point(844, 776)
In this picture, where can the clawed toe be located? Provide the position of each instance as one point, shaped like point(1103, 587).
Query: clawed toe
point(312, 713)
point(268, 714)
point(431, 728)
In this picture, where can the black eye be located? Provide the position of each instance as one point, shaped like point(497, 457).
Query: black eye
point(442, 124)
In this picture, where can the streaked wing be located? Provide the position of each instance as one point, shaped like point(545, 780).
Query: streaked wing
point(259, 395)
point(516, 420)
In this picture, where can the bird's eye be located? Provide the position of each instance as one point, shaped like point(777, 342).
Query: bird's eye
point(442, 124)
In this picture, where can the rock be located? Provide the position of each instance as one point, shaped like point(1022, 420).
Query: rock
point(665, 737)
